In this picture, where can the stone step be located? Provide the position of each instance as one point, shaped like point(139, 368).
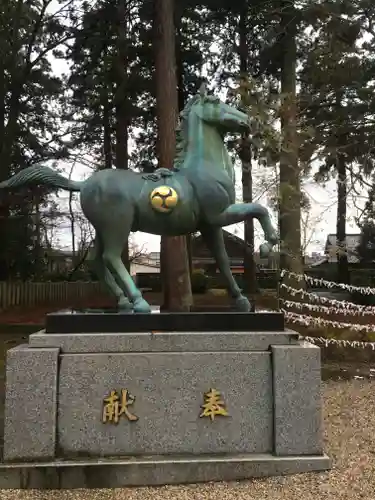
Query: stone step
point(153, 471)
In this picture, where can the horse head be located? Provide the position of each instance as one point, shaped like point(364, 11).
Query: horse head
point(215, 112)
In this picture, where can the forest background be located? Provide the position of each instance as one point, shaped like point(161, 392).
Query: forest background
point(79, 91)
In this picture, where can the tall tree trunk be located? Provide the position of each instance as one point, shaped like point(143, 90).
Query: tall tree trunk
point(10, 136)
point(4, 212)
point(2, 101)
point(10, 53)
point(38, 268)
point(18, 73)
point(342, 254)
point(10, 132)
point(181, 101)
point(121, 105)
point(72, 220)
point(245, 153)
point(290, 188)
point(181, 94)
point(107, 142)
point(174, 260)
point(107, 111)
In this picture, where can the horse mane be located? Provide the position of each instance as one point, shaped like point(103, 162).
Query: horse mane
point(182, 132)
point(182, 128)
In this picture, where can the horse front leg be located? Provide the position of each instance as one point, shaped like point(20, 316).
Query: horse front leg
point(214, 240)
point(240, 212)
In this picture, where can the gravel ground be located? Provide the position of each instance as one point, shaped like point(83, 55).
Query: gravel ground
point(350, 441)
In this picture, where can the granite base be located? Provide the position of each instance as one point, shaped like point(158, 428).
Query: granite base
point(269, 385)
point(154, 471)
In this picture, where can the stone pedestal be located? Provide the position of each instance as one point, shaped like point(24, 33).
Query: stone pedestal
point(191, 406)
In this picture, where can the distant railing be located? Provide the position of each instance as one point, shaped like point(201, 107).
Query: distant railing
point(266, 279)
point(30, 293)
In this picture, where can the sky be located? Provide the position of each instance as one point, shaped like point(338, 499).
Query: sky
point(314, 226)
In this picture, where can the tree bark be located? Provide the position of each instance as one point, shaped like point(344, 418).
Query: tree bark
point(245, 153)
point(72, 220)
point(2, 100)
point(18, 68)
point(342, 193)
point(107, 111)
point(4, 212)
point(9, 139)
point(181, 100)
point(37, 245)
point(10, 53)
point(290, 188)
point(107, 142)
point(342, 254)
point(174, 261)
point(181, 94)
point(121, 104)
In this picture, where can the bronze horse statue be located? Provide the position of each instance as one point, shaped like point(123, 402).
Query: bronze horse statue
point(197, 195)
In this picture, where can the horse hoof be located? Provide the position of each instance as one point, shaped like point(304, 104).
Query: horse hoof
point(141, 306)
point(124, 305)
point(242, 304)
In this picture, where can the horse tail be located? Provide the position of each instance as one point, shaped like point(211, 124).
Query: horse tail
point(38, 174)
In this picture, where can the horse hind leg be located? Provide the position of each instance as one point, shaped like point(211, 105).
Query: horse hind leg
point(114, 239)
point(106, 277)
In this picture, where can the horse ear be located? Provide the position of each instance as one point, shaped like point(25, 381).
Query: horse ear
point(203, 89)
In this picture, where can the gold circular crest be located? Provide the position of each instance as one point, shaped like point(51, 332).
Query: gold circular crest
point(163, 199)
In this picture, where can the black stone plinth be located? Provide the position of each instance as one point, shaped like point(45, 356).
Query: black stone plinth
point(99, 322)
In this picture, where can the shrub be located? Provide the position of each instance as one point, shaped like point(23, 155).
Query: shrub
point(199, 281)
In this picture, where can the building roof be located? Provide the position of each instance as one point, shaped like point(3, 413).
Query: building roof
point(235, 246)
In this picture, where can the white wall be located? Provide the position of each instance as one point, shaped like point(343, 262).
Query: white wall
point(143, 268)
